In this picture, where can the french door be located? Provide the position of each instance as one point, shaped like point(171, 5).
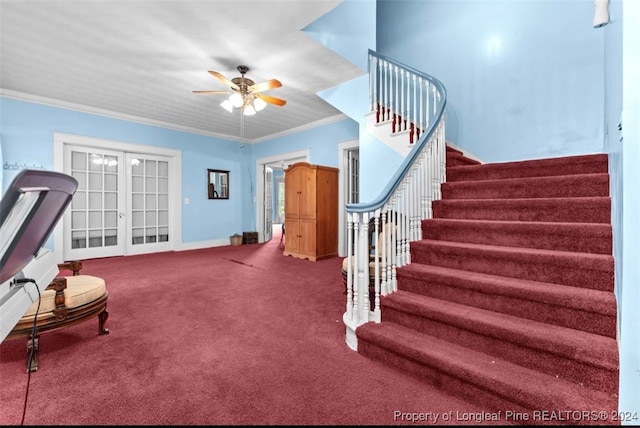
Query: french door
point(147, 222)
point(121, 205)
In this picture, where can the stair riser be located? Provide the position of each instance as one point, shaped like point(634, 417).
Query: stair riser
point(455, 159)
point(539, 168)
point(588, 239)
point(458, 162)
point(555, 187)
point(502, 347)
point(474, 295)
point(561, 210)
point(559, 270)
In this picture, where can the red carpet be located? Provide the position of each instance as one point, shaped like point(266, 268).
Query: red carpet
point(222, 336)
point(508, 301)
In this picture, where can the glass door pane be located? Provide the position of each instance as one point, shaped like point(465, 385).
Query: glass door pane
point(93, 226)
point(149, 218)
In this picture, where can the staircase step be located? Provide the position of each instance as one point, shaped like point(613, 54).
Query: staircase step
point(577, 237)
point(576, 210)
point(585, 164)
point(450, 149)
point(593, 271)
point(559, 351)
point(508, 300)
point(558, 186)
point(481, 378)
point(398, 141)
point(455, 159)
point(583, 309)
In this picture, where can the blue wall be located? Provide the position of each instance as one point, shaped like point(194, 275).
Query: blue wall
point(630, 288)
point(613, 115)
point(322, 142)
point(621, 96)
point(27, 132)
point(349, 30)
point(378, 163)
point(27, 136)
point(524, 78)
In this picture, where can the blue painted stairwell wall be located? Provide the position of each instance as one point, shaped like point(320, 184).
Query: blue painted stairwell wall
point(350, 31)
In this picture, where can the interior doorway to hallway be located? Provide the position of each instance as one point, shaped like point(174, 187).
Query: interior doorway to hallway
point(267, 201)
point(348, 184)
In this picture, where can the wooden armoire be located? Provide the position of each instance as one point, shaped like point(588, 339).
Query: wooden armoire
point(311, 211)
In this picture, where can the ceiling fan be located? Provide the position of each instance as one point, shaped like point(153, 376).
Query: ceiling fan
point(245, 93)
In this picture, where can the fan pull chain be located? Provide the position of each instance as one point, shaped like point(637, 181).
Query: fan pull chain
point(241, 124)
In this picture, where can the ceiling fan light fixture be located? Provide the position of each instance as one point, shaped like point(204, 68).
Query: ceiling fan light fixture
point(259, 103)
point(246, 95)
point(226, 104)
point(248, 110)
point(236, 100)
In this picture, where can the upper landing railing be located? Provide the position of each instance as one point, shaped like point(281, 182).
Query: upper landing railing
point(379, 232)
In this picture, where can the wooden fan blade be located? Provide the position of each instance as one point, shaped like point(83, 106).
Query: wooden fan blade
point(211, 92)
point(223, 79)
point(272, 100)
point(264, 86)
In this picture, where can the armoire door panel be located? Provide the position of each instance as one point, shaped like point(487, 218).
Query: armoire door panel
point(308, 194)
point(308, 237)
point(292, 236)
point(292, 195)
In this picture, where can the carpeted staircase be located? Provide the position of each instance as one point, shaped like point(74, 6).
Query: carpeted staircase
point(508, 301)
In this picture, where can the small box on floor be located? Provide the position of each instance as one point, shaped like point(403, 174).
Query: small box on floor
point(249, 237)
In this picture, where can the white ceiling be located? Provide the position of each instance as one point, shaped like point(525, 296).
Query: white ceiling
point(140, 59)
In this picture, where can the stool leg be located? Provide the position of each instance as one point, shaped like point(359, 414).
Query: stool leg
point(102, 317)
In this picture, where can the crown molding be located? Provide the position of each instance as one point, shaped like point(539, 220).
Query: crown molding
point(21, 96)
point(312, 125)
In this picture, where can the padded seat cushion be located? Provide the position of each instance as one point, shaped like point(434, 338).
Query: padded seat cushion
point(80, 289)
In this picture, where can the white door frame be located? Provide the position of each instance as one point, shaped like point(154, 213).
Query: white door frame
point(267, 225)
point(175, 220)
point(282, 161)
point(343, 148)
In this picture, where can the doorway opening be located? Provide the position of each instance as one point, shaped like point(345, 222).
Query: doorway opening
point(269, 174)
point(349, 184)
